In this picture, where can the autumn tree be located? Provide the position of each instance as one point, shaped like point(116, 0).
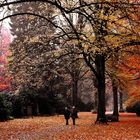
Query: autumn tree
point(25, 32)
point(129, 71)
point(109, 28)
point(5, 39)
point(75, 68)
point(74, 63)
point(33, 67)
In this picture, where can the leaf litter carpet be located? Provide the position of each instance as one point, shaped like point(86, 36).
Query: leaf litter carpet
point(54, 128)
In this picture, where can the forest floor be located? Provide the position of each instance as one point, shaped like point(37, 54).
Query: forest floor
point(54, 128)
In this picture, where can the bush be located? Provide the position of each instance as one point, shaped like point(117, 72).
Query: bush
point(16, 105)
point(134, 109)
point(5, 106)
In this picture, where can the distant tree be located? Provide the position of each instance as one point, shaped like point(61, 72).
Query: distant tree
point(30, 56)
point(5, 39)
point(33, 68)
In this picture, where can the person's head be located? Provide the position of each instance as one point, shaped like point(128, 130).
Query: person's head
point(73, 107)
point(66, 108)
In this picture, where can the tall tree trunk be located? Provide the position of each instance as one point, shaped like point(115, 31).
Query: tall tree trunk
point(95, 96)
point(115, 101)
point(96, 102)
point(74, 95)
point(100, 66)
point(121, 102)
point(100, 76)
point(74, 92)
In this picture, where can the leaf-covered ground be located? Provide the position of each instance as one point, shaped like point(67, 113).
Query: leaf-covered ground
point(54, 128)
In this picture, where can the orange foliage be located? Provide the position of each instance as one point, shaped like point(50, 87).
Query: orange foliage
point(133, 62)
point(129, 70)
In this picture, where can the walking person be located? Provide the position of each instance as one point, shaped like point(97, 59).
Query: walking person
point(73, 114)
point(67, 115)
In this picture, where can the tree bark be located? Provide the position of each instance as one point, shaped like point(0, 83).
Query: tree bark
point(96, 102)
point(115, 116)
point(100, 66)
point(121, 102)
point(74, 92)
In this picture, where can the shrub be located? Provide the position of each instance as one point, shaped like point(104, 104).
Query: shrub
point(5, 106)
point(134, 109)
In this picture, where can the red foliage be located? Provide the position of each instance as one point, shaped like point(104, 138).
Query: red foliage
point(4, 53)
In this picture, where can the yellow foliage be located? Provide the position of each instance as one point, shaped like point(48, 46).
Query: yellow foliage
point(34, 39)
point(86, 47)
point(72, 42)
point(31, 17)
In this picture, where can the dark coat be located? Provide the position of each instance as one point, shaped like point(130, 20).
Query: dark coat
point(67, 114)
point(74, 113)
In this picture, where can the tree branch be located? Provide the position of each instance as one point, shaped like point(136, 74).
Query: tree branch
point(37, 15)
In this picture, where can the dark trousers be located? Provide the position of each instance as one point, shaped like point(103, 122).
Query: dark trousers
point(67, 121)
point(73, 120)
